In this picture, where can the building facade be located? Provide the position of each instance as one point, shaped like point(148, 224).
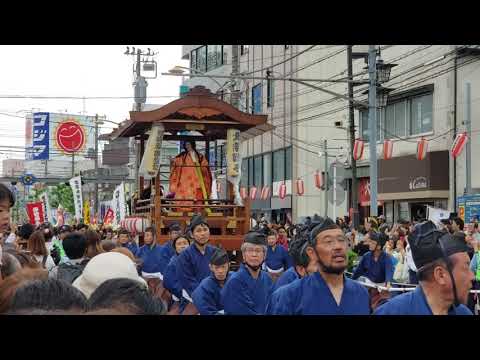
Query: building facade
point(426, 101)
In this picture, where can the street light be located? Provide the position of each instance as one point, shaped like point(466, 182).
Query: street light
point(383, 71)
point(382, 95)
point(179, 70)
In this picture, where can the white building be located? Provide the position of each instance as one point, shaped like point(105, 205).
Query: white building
point(420, 105)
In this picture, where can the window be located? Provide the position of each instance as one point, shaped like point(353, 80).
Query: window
point(258, 167)
point(279, 165)
point(250, 171)
point(243, 49)
point(244, 179)
point(288, 163)
point(364, 125)
point(421, 114)
point(202, 59)
point(193, 59)
point(411, 115)
point(257, 99)
point(267, 169)
point(270, 93)
point(206, 58)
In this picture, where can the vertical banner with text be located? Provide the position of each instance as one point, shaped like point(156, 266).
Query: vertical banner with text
point(76, 184)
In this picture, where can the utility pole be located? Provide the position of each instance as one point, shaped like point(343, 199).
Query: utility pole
point(325, 153)
point(352, 139)
point(468, 126)
point(73, 164)
point(96, 166)
point(372, 123)
point(234, 98)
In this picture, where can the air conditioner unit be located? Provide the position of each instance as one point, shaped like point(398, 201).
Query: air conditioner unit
point(338, 124)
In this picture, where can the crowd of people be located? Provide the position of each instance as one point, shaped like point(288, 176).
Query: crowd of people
point(318, 267)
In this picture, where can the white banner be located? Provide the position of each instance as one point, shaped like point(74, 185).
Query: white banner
point(119, 204)
point(234, 160)
point(46, 207)
point(150, 163)
point(76, 184)
point(436, 214)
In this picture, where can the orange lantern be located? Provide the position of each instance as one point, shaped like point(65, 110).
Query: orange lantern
point(387, 149)
point(459, 144)
point(358, 149)
point(282, 191)
point(422, 148)
point(318, 179)
point(300, 187)
point(253, 192)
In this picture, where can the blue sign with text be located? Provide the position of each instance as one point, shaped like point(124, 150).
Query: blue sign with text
point(41, 136)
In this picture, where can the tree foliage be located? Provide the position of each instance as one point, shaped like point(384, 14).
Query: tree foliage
point(62, 194)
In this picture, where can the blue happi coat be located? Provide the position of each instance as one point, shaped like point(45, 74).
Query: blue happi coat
point(286, 278)
point(166, 253)
point(277, 259)
point(414, 303)
point(244, 295)
point(192, 268)
point(132, 246)
point(379, 271)
point(207, 298)
point(170, 279)
point(151, 259)
point(312, 296)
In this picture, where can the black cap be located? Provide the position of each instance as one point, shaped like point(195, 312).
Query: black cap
point(324, 224)
point(255, 238)
point(64, 228)
point(174, 227)
point(219, 257)
point(298, 253)
point(425, 242)
point(197, 220)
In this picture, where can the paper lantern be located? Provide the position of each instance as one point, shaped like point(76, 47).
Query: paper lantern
point(358, 149)
point(422, 148)
point(253, 192)
point(282, 191)
point(265, 193)
point(459, 144)
point(300, 187)
point(243, 192)
point(387, 149)
point(318, 179)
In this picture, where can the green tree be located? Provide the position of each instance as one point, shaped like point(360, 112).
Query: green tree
point(62, 194)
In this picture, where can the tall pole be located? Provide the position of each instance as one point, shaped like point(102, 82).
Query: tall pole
point(73, 164)
point(468, 125)
point(96, 166)
point(234, 99)
point(356, 220)
point(335, 190)
point(137, 72)
point(325, 153)
point(372, 123)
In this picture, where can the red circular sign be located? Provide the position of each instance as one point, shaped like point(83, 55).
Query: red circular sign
point(70, 136)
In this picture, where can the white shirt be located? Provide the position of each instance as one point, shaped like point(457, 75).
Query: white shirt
point(49, 264)
point(410, 262)
point(11, 238)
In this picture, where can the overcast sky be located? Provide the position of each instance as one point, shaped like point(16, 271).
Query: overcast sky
point(83, 71)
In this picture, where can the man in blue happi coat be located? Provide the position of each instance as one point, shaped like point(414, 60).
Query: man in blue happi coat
point(193, 262)
point(124, 240)
point(302, 265)
point(206, 296)
point(327, 291)
point(443, 272)
point(248, 291)
point(278, 260)
point(167, 251)
point(149, 255)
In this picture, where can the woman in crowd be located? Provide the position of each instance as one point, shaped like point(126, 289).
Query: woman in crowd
point(36, 246)
point(93, 244)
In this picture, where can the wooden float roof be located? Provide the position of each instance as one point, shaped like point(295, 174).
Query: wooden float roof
point(197, 110)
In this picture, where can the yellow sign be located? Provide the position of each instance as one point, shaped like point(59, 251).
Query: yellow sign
point(86, 212)
point(233, 152)
point(195, 127)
